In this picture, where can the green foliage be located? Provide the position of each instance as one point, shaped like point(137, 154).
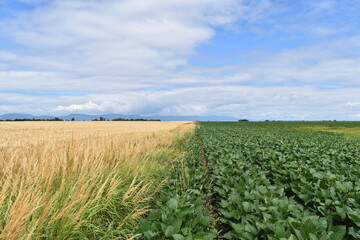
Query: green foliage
point(276, 182)
point(179, 212)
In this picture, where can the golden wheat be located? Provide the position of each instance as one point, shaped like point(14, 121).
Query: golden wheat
point(60, 178)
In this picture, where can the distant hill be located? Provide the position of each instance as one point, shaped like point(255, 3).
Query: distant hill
point(12, 116)
point(111, 116)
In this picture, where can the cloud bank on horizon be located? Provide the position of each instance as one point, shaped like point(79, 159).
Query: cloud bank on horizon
point(258, 59)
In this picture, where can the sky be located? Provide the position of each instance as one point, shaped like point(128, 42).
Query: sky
point(253, 59)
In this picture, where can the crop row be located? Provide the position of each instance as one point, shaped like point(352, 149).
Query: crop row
point(283, 184)
point(179, 212)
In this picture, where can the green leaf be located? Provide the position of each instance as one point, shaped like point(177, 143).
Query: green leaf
point(178, 237)
point(185, 230)
point(312, 236)
point(205, 221)
point(355, 217)
point(149, 234)
point(292, 237)
point(205, 236)
point(341, 211)
point(237, 227)
point(339, 233)
point(247, 207)
point(251, 229)
point(177, 225)
point(354, 233)
point(169, 231)
point(173, 203)
point(323, 211)
point(309, 227)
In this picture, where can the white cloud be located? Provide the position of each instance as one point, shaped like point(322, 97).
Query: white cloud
point(352, 104)
point(103, 45)
point(89, 106)
point(252, 102)
point(116, 37)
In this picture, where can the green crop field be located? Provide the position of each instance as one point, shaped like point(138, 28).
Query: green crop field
point(268, 180)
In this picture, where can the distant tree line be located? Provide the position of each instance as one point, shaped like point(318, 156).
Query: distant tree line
point(56, 119)
point(137, 119)
point(32, 119)
point(100, 119)
point(125, 119)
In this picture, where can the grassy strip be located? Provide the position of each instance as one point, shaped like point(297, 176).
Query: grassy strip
point(179, 212)
point(347, 132)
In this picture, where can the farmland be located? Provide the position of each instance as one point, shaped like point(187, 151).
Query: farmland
point(82, 180)
point(264, 181)
point(275, 182)
point(149, 181)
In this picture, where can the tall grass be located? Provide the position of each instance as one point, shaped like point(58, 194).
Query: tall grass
point(86, 187)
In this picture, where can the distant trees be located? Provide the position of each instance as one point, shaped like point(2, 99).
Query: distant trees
point(100, 119)
point(137, 119)
point(56, 119)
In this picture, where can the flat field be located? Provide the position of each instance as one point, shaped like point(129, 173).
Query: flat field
point(285, 180)
point(180, 181)
point(24, 133)
point(264, 180)
point(82, 180)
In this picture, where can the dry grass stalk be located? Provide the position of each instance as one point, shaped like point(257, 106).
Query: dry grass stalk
point(54, 177)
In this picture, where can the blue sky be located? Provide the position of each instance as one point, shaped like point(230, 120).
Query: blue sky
point(258, 59)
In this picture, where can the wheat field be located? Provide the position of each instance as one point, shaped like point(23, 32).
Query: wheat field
point(82, 180)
